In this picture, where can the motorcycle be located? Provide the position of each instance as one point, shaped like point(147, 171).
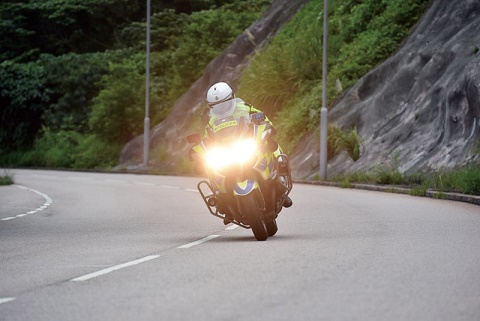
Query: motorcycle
point(249, 176)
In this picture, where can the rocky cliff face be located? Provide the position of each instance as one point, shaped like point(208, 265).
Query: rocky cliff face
point(421, 106)
point(172, 132)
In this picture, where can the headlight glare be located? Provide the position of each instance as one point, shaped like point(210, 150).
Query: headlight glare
point(238, 153)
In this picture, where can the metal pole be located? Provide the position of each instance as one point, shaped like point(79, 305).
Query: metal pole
point(324, 110)
point(146, 122)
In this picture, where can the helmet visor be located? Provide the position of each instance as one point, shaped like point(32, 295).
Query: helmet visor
point(223, 109)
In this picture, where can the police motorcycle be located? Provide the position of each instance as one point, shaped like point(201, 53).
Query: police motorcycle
point(249, 177)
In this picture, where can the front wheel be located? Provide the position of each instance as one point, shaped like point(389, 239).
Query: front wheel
point(249, 208)
point(272, 227)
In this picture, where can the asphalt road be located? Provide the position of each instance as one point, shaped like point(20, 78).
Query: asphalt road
point(136, 247)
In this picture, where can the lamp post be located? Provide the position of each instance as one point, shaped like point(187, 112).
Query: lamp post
point(324, 110)
point(146, 122)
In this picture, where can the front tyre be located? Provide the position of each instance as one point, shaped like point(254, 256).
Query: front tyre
point(272, 227)
point(249, 208)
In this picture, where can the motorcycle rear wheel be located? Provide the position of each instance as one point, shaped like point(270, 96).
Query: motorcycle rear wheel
point(249, 207)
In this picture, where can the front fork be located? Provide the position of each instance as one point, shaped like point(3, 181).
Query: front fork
point(284, 176)
point(211, 198)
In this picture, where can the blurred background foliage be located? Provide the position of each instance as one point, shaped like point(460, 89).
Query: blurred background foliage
point(72, 72)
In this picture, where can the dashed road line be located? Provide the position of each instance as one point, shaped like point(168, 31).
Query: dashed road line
point(45, 176)
point(142, 183)
point(191, 190)
point(48, 202)
point(5, 300)
point(171, 187)
point(232, 227)
point(113, 268)
point(205, 239)
point(114, 180)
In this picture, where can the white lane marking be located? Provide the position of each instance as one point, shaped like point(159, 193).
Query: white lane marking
point(48, 202)
point(5, 300)
point(171, 187)
point(78, 177)
point(114, 268)
point(114, 180)
point(142, 183)
point(231, 227)
point(45, 176)
point(208, 238)
point(191, 190)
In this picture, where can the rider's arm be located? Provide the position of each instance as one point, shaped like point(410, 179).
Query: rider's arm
point(253, 110)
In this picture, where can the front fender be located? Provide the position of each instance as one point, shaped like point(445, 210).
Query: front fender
point(245, 187)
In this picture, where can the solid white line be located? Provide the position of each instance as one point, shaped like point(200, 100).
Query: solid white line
point(208, 238)
point(231, 227)
point(5, 300)
point(7, 218)
point(192, 190)
point(21, 215)
point(114, 268)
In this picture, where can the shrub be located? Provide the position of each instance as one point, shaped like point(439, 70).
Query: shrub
point(464, 180)
point(6, 178)
point(350, 142)
point(93, 152)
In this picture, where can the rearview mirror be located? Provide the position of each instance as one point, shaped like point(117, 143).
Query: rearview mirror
point(257, 118)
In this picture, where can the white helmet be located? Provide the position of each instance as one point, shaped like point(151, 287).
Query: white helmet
point(221, 99)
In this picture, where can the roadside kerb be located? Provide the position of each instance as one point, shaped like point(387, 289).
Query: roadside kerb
point(472, 199)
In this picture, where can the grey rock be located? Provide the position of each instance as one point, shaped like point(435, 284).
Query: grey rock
point(420, 109)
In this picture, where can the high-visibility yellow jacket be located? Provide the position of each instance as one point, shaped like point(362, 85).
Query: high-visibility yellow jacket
point(240, 109)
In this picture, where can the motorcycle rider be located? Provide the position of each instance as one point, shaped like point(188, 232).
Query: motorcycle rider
point(223, 103)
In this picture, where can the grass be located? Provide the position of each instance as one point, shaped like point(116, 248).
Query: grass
point(465, 180)
point(6, 179)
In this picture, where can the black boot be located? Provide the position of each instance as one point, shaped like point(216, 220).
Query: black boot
point(287, 202)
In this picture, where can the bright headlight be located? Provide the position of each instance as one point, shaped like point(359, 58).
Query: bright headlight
point(237, 153)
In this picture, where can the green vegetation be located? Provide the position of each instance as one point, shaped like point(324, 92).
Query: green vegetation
point(72, 76)
point(465, 179)
point(285, 79)
point(72, 72)
point(344, 140)
point(6, 179)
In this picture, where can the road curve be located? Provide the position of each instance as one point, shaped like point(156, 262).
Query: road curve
point(142, 247)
